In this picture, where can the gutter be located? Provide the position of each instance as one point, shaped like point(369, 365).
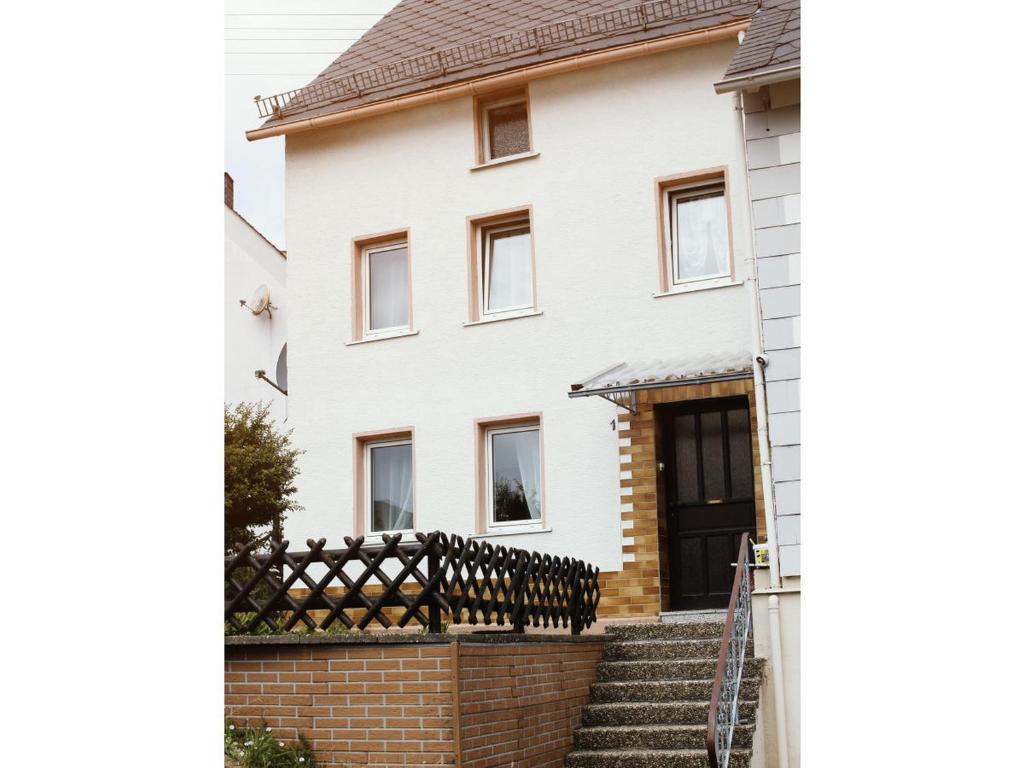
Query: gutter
point(744, 82)
point(504, 80)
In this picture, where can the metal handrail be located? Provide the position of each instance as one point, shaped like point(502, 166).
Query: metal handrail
point(723, 714)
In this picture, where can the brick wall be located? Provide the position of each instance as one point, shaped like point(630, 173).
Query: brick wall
point(521, 703)
point(640, 589)
point(421, 701)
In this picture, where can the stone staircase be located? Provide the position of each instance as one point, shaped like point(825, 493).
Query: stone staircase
point(649, 706)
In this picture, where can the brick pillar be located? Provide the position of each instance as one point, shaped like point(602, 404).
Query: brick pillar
point(229, 191)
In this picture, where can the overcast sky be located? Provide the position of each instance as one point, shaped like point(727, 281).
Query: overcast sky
point(272, 46)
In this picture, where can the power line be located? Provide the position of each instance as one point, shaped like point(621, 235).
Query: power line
point(307, 29)
point(274, 39)
point(352, 13)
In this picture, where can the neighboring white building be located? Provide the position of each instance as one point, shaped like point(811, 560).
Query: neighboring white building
point(253, 268)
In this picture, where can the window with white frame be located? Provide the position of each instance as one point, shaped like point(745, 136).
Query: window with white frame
point(506, 128)
point(513, 478)
point(385, 273)
point(697, 232)
point(389, 483)
point(506, 268)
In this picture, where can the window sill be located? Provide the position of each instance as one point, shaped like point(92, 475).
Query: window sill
point(499, 318)
point(704, 285)
point(382, 337)
point(509, 532)
point(505, 160)
point(378, 538)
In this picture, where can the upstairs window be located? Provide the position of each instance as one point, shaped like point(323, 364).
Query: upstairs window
point(700, 236)
point(507, 267)
point(382, 304)
point(387, 288)
point(695, 238)
point(501, 266)
point(503, 125)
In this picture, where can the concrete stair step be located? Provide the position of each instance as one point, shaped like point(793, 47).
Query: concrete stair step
point(669, 669)
point(657, 669)
point(651, 758)
point(682, 630)
point(656, 713)
point(664, 690)
point(620, 737)
point(688, 648)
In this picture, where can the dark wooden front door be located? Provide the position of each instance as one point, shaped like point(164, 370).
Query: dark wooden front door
point(708, 482)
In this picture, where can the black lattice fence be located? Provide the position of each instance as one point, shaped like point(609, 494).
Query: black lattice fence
point(469, 581)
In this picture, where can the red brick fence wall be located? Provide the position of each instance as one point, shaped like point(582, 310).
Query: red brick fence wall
point(474, 701)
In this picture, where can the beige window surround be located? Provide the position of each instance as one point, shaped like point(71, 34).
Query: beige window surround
point(483, 429)
point(363, 248)
point(362, 445)
point(716, 181)
point(481, 231)
point(505, 104)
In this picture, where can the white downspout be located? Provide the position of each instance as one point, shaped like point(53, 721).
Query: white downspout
point(764, 448)
point(778, 682)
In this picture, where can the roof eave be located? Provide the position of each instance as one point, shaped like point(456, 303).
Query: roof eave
point(511, 78)
point(756, 80)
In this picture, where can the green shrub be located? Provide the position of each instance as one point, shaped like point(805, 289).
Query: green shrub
point(259, 748)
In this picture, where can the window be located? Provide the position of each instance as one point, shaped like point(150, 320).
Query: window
point(695, 237)
point(501, 266)
point(508, 268)
point(386, 288)
point(510, 473)
point(382, 301)
point(384, 483)
point(503, 126)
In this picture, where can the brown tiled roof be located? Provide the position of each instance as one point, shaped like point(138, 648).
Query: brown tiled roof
point(771, 43)
point(400, 54)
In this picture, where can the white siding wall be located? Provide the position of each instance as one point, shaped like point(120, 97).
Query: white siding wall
point(604, 135)
point(252, 342)
point(773, 157)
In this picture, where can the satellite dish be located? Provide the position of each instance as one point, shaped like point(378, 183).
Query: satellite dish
point(259, 302)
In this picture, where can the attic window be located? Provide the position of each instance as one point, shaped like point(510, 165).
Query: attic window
point(503, 126)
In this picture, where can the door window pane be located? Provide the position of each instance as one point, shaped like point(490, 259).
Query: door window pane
point(711, 453)
point(515, 476)
point(391, 487)
point(508, 269)
point(388, 291)
point(507, 130)
point(687, 469)
point(701, 239)
point(740, 460)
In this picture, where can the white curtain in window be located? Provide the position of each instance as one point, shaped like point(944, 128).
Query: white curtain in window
point(527, 448)
point(510, 279)
point(389, 288)
point(703, 240)
point(391, 487)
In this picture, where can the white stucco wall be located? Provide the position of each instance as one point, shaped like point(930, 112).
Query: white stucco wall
point(604, 135)
point(252, 342)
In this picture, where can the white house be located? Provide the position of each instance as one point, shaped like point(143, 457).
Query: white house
point(255, 333)
point(528, 302)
